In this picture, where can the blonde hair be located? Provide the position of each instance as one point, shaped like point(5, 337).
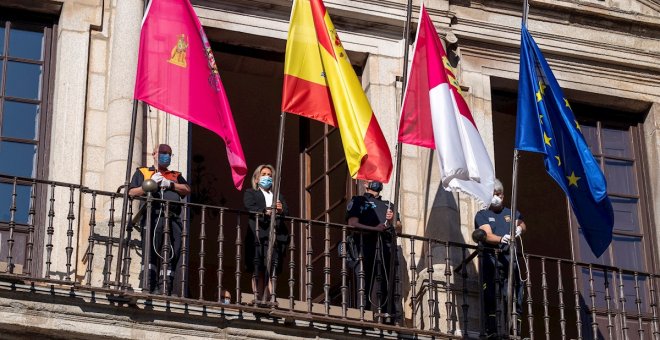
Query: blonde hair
point(257, 174)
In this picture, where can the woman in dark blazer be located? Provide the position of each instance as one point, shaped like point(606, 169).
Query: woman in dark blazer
point(258, 199)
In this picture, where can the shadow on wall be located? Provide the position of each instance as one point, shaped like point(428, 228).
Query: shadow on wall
point(437, 283)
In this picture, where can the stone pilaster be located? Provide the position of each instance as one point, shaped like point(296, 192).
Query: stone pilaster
point(68, 121)
point(122, 68)
point(652, 146)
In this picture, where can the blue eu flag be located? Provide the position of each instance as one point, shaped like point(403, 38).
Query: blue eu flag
point(546, 124)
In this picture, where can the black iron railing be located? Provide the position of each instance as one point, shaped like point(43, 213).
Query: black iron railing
point(68, 234)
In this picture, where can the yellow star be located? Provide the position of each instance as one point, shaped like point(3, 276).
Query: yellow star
point(572, 179)
point(546, 139)
point(558, 160)
point(577, 125)
point(541, 92)
point(567, 104)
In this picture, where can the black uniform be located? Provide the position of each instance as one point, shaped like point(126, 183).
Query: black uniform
point(375, 247)
point(496, 268)
point(158, 223)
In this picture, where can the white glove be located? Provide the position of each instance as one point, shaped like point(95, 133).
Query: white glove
point(518, 231)
point(165, 183)
point(158, 177)
point(505, 239)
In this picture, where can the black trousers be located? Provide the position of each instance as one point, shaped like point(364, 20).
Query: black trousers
point(376, 252)
point(495, 274)
point(157, 257)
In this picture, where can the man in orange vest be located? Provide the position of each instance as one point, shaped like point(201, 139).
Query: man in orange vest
point(173, 187)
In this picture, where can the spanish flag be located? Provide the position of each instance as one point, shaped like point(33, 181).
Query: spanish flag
point(320, 83)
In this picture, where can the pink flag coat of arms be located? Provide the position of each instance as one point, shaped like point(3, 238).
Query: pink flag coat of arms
point(435, 115)
point(177, 74)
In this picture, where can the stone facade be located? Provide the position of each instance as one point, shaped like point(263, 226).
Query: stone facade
point(600, 50)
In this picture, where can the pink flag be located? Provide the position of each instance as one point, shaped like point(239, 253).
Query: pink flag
point(177, 74)
point(435, 115)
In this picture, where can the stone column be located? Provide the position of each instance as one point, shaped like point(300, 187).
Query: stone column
point(68, 119)
point(123, 65)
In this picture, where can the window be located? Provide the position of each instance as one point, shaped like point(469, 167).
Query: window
point(327, 189)
point(616, 146)
point(25, 57)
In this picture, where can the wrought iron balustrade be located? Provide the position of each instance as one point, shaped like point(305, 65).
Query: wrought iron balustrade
point(65, 234)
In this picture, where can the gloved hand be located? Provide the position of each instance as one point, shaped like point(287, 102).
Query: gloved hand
point(518, 231)
point(505, 239)
point(158, 177)
point(165, 183)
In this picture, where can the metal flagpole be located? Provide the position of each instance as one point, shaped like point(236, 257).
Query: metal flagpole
point(273, 215)
point(512, 312)
point(512, 325)
point(127, 181)
point(397, 169)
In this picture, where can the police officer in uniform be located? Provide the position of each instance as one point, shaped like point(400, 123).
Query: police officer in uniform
point(495, 222)
point(374, 216)
point(172, 186)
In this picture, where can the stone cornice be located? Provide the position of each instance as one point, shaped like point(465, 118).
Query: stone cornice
point(572, 73)
point(391, 14)
point(600, 11)
point(574, 46)
point(572, 9)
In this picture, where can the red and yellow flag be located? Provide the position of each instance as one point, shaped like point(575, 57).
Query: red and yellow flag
point(320, 83)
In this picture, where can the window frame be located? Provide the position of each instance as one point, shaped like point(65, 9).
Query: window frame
point(48, 25)
point(639, 163)
point(646, 232)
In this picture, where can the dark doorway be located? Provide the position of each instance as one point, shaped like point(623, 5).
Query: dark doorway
point(252, 78)
point(543, 207)
point(540, 200)
point(315, 180)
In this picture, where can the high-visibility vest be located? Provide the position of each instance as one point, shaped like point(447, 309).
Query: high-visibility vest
point(147, 173)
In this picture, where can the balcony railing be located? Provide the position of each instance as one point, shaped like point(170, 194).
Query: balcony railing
point(63, 234)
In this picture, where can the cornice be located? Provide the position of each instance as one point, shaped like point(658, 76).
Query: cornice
point(573, 46)
point(393, 12)
point(493, 21)
point(571, 70)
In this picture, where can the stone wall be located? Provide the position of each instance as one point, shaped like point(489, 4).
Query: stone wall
point(609, 48)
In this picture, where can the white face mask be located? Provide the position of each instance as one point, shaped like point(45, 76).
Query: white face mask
point(496, 201)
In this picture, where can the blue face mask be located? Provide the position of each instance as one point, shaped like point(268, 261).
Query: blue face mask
point(164, 159)
point(265, 182)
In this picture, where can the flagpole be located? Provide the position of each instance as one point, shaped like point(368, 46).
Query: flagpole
point(399, 153)
point(512, 312)
point(127, 181)
point(273, 212)
point(512, 325)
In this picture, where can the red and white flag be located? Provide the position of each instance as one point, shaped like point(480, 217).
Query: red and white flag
point(435, 115)
point(177, 74)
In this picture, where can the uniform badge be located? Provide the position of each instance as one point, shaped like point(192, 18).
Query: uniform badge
point(507, 218)
point(349, 206)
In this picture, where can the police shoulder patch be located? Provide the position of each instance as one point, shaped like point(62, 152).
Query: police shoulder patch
point(349, 206)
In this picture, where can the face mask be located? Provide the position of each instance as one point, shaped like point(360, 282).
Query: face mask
point(164, 159)
point(496, 201)
point(266, 182)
